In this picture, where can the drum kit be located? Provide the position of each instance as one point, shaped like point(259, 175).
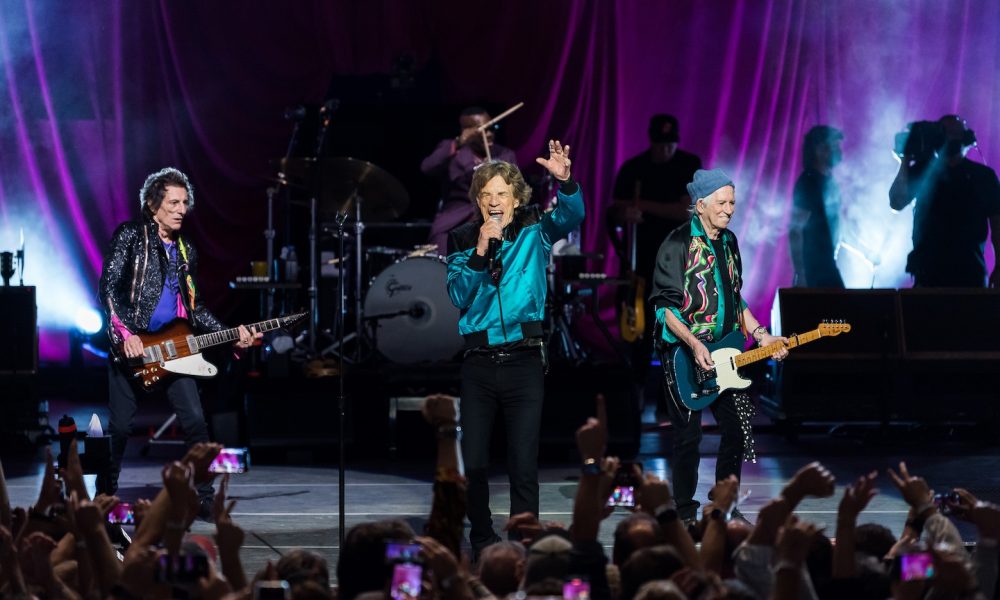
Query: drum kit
point(398, 297)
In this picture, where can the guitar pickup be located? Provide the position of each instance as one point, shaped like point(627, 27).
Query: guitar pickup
point(171, 349)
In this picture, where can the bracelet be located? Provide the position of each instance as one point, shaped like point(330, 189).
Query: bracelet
point(450, 432)
point(591, 466)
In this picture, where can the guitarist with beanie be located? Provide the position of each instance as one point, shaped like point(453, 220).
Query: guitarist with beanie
point(148, 283)
point(696, 298)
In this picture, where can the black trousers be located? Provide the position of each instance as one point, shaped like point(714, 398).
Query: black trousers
point(687, 453)
point(183, 395)
point(514, 385)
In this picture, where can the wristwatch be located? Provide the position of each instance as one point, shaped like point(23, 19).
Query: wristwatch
point(591, 466)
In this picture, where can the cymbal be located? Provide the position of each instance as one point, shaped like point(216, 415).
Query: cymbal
point(342, 182)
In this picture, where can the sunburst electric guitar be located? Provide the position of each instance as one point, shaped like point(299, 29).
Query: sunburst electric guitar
point(697, 388)
point(176, 350)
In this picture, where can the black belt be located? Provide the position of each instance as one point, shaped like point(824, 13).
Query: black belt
point(480, 339)
point(502, 353)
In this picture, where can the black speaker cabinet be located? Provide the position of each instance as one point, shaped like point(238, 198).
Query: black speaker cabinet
point(19, 315)
point(912, 354)
point(872, 314)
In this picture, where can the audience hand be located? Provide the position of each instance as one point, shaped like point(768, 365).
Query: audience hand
point(794, 539)
point(857, 496)
point(914, 490)
point(51, 490)
point(592, 436)
point(440, 409)
point(200, 456)
point(653, 493)
point(724, 493)
point(811, 480)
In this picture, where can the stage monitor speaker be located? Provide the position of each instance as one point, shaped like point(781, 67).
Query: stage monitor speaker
point(972, 329)
point(19, 315)
point(871, 314)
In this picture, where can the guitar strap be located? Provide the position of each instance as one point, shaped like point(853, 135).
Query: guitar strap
point(187, 273)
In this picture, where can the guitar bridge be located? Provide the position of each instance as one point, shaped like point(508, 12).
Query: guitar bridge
point(701, 376)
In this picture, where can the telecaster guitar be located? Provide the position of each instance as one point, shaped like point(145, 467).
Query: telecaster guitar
point(697, 388)
point(176, 350)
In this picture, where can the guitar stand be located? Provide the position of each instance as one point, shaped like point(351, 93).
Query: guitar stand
point(155, 438)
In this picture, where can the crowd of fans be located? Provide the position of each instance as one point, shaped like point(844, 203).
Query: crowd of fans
point(61, 547)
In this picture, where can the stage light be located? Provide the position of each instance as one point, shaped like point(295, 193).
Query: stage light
point(88, 321)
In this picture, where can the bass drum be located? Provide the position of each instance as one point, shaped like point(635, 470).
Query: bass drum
point(425, 325)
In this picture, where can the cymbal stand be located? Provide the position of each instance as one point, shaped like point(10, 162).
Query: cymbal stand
point(359, 228)
point(314, 267)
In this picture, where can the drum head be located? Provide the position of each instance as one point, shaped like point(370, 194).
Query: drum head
point(430, 331)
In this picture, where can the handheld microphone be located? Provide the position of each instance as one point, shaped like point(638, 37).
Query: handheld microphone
point(493, 248)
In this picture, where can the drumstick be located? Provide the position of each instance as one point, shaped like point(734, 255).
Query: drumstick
point(486, 144)
point(487, 124)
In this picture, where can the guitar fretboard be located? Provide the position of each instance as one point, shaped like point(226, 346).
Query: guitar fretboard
point(228, 335)
point(752, 356)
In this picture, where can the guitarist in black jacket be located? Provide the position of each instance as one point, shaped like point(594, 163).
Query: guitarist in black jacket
point(147, 282)
point(696, 297)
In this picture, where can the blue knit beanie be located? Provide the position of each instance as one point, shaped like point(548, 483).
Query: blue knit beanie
point(707, 181)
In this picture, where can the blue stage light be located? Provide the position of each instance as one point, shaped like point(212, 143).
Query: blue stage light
point(88, 321)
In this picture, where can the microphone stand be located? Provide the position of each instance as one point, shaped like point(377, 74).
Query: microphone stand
point(272, 274)
point(341, 398)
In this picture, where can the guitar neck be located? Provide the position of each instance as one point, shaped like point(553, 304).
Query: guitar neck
point(230, 335)
point(764, 352)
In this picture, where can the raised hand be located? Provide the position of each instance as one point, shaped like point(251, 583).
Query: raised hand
point(178, 480)
point(72, 472)
point(440, 409)
point(794, 539)
point(724, 493)
point(51, 490)
point(558, 163)
point(857, 496)
point(200, 456)
point(811, 480)
point(914, 489)
point(653, 493)
point(442, 562)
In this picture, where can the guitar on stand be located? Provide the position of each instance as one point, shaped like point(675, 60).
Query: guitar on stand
point(697, 388)
point(632, 305)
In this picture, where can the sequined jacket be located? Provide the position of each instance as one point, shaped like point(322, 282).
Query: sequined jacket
point(133, 276)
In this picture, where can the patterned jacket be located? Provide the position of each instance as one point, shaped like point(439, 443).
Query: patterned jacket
point(132, 279)
point(687, 282)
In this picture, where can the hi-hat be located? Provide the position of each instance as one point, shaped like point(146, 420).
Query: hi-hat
point(342, 183)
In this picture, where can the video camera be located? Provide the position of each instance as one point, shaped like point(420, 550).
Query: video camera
point(920, 141)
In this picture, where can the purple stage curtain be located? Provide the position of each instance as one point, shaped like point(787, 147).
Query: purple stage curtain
point(96, 95)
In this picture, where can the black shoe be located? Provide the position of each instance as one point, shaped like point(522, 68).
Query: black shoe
point(477, 547)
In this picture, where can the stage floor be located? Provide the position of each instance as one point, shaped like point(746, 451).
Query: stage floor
point(296, 505)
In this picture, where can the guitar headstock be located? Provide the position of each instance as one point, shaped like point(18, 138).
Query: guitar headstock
point(290, 320)
point(833, 327)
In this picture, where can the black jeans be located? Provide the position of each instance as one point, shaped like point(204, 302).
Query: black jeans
point(183, 395)
point(687, 455)
point(515, 385)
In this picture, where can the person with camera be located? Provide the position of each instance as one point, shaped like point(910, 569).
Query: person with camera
point(956, 200)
